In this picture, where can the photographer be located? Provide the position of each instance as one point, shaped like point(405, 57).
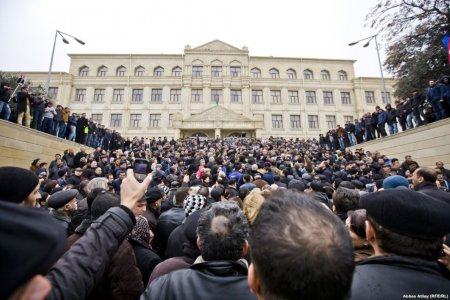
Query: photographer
point(5, 94)
point(39, 105)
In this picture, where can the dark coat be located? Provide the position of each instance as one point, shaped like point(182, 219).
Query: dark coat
point(23, 100)
point(146, 258)
point(167, 222)
point(218, 280)
point(431, 190)
point(391, 277)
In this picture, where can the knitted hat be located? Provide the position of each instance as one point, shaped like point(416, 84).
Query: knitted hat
point(193, 203)
point(61, 198)
point(103, 202)
point(408, 213)
point(16, 184)
point(395, 181)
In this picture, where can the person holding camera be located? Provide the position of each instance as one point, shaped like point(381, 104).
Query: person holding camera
point(5, 94)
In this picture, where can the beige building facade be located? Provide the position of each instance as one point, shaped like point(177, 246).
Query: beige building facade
point(215, 90)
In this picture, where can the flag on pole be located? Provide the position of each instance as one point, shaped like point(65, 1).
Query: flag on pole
point(21, 79)
point(447, 45)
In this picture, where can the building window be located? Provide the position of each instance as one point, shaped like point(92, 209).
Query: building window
point(197, 71)
point(102, 71)
point(274, 73)
point(313, 121)
point(116, 120)
point(325, 75)
point(256, 73)
point(155, 120)
point(176, 72)
point(97, 118)
point(257, 96)
point(311, 97)
point(175, 95)
point(216, 71)
point(156, 95)
point(170, 120)
point(331, 121)
point(236, 96)
point(277, 121)
point(121, 71)
point(158, 71)
point(295, 121)
point(135, 120)
point(84, 71)
point(99, 95)
point(197, 95)
point(216, 96)
point(235, 71)
point(276, 96)
point(118, 95)
point(52, 92)
point(138, 95)
point(308, 74)
point(328, 97)
point(139, 71)
point(342, 75)
point(387, 99)
point(291, 74)
point(370, 97)
point(348, 119)
point(80, 94)
point(293, 97)
point(345, 97)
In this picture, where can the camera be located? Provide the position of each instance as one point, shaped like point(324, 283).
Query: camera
point(141, 168)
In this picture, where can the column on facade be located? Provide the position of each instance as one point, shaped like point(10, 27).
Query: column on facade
point(177, 133)
point(246, 99)
point(206, 97)
point(226, 97)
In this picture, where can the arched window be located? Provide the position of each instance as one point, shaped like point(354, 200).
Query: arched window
point(342, 75)
point(139, 71)
point(256, 73)
point(102, 71)
point(158, 71)
point(291, 74)
point(325, 75)
point(176, 71)
point(121, 71)
point(274, 73)
point(308, 74)
point(84, 71)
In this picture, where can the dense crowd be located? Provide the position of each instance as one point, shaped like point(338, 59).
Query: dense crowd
point(231, 218)
point(407, 113)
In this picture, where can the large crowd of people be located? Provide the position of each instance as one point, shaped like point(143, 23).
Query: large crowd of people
point(232, 218)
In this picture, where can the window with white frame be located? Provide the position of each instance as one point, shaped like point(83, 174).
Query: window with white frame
point(135, 120)
point(176, 72)
point(196, 95)
point(216, 71)
point(345, 98)
point(80, 95)
point(235, 71)
point(325, 75)
point(310, 97)
point(274, 73)
point(156, 95)
point(138, 95)
point(331, 121)
point(313, 121)
point(97, 118)
point(84, 71)
point(175, 95)
point(216, 96)
point(348, 119)
point(370, 97)
point(277, 121)
point(121, 71)
point(342, 75)
point(155, 121)
point(275, 95)
point(197, 71)
point(291, 74)
point(236, 96)
point(53, 92)
point(116, 120)
point(387, 99)
point(118, 95)
point(328, 97)
point(158, 71)
point(99, 95)
point(256, 73)
point(293, 97)
point(102, 71)
point(308, 74)
point(257, 96)
point(295, 121)
point(139, 71)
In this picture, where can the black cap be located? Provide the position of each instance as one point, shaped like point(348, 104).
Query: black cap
point(408, 213)
point(153, 194)
point(61, 198)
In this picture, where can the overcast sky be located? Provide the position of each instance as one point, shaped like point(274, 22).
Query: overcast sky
point(288, 28)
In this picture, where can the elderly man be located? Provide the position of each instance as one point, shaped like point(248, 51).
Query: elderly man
point(220, 272)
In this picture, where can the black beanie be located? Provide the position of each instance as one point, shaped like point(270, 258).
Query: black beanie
point(103, 202)
point(16, 183)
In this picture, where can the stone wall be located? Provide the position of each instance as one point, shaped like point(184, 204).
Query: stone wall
point(19, 145)
point(427, 144)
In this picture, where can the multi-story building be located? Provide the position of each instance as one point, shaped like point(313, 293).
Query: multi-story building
point(215, 90)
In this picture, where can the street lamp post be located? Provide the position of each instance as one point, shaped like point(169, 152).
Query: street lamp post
point(63, 35)
point(370, 38)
